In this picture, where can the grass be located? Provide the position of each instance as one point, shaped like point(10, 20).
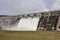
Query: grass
point(38, 35)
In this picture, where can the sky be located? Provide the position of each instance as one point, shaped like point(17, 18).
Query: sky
point(16, 7)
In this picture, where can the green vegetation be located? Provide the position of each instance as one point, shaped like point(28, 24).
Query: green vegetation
point(38, 35)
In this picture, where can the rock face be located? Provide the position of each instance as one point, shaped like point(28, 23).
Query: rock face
point(49, 21)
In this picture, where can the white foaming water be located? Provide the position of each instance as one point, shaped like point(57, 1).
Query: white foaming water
point(25, 24)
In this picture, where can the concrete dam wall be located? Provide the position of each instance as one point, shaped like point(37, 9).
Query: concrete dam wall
point(8, 21)
point(31, 22)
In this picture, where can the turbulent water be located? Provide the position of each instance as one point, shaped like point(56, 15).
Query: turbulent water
point(25, 24)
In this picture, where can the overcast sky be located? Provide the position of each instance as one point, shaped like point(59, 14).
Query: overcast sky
point(15, 7)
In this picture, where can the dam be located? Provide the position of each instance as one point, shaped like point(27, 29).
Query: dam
point(31, 22)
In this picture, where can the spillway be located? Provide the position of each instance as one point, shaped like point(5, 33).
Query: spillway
point(25, 24)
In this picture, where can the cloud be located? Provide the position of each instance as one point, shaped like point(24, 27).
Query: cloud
point(56, 5)
point(13, 7)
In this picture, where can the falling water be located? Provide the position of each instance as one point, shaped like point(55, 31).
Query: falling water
point(25, 24)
